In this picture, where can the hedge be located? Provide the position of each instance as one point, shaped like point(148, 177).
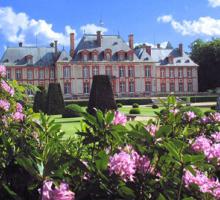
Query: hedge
point(194, 99)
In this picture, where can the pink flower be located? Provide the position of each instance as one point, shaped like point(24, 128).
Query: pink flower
point(143, 165)
point(189, 116)
point(205, 120)
point(119, 118)
point(7, 88)
point(216, 136)
point(214, 117)
point(19, 107)
point(201, 144)
point(174, 111)
point(4, 104)
point(18, 116)
point(123, 165)
point(152, 129)
point(58, 193)
point(2, 71)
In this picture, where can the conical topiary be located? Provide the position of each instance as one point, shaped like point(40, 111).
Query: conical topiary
point(101, 95)
point(40, 100)
point(55, 102)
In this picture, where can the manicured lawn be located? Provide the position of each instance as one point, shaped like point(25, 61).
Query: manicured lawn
point(70, 125)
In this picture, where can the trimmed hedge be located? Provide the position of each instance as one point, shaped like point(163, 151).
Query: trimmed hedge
point(135, 111)
point(101, 95)
point(55, 102)
point(154, 106)
point(69, 113)
point(119, 105)
point(135, 105)
point(40, 100)
point(194, 99)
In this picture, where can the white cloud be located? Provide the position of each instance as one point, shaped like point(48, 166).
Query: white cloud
point(92, 29)
point(204, 25)
point(18, 27)
point(214, 3)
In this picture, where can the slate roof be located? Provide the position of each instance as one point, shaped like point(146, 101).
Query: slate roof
point(41, 56)
point(113, 42)
point(64, 56)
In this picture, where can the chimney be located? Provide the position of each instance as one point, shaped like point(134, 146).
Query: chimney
point(99, 38)
point(181, 49)
point(72, 44)
point(20, 44)
point(55, 47)
point(148, 50)
point(158, 46)
point(131, 41)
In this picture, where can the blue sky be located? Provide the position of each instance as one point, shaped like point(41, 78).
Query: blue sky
point(150, 21)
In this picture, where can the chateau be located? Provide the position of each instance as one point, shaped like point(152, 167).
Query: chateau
point(140, 71)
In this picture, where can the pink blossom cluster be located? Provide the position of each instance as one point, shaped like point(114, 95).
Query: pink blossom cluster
point(205, 184)
point(174, 111)
point(210, 147)
point(214, 117)
point(2, 71)
point(152, 129)
point(189, 116)
point(205, 120)
point(119, 118)
point(7, 88)
point(18, 114)
point(58, 193)
point(127, 163)
point(4, 104)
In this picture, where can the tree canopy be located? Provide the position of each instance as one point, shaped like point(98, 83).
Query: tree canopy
point(207, 56)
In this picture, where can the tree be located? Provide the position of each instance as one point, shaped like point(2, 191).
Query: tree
point(101, 95)
point(40, 100)
point(54, 102)
point(207, 56)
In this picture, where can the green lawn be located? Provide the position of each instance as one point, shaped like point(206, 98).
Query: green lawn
point(70, 125)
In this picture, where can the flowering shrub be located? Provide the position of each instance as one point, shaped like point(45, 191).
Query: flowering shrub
point(174, 156)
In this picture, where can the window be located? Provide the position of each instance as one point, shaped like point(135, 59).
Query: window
point(190, 87)
point(108, 70)
point(67, 88)
point(30, 60)
point(131, 86)
point(66, 72)
point(52, 74)
point(163, 87)
point(121, 72)
point(172, 87)
point(121, 57)
point(95, 70)
point(171, 73)
point(95, 57)
point(108, 56)
point(8, 73)
point(29, 74)
point(180, 87)
point(162, 73)
point(180, 73)
point(131, 71)
point(85, 72)
point(147, 87)
point(18, 74)
point(86, 88)
point(41, 74)
point(130, 56)
point(122, 87)
point(85, 57)
point(189, 72)
point(148, 71)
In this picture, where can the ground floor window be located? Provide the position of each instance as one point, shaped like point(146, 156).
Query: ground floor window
point(163, 87)
point(122, 87)
point(190, 87)
point(86, 88)
point(131, 86)
point(172, 87)
point(67, 88)
point(180, 87)
point(148, 87)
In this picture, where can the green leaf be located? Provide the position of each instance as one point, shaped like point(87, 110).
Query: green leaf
point(76, 108)
point(126, 192)
point(172, 149)
point(187, 158)
point(10, 192)
point(102, 161)
point(163, 131)
point(161, 197)
point(189, 198)
point(109, 117)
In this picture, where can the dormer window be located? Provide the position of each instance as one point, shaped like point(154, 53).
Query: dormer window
point(178, 61)
point(130, 55)
point(85, 57)
point(29, 59)
point(94, 55)
point(187, 61)
point(108, 54)
point(6, 61)
point(121, 55)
